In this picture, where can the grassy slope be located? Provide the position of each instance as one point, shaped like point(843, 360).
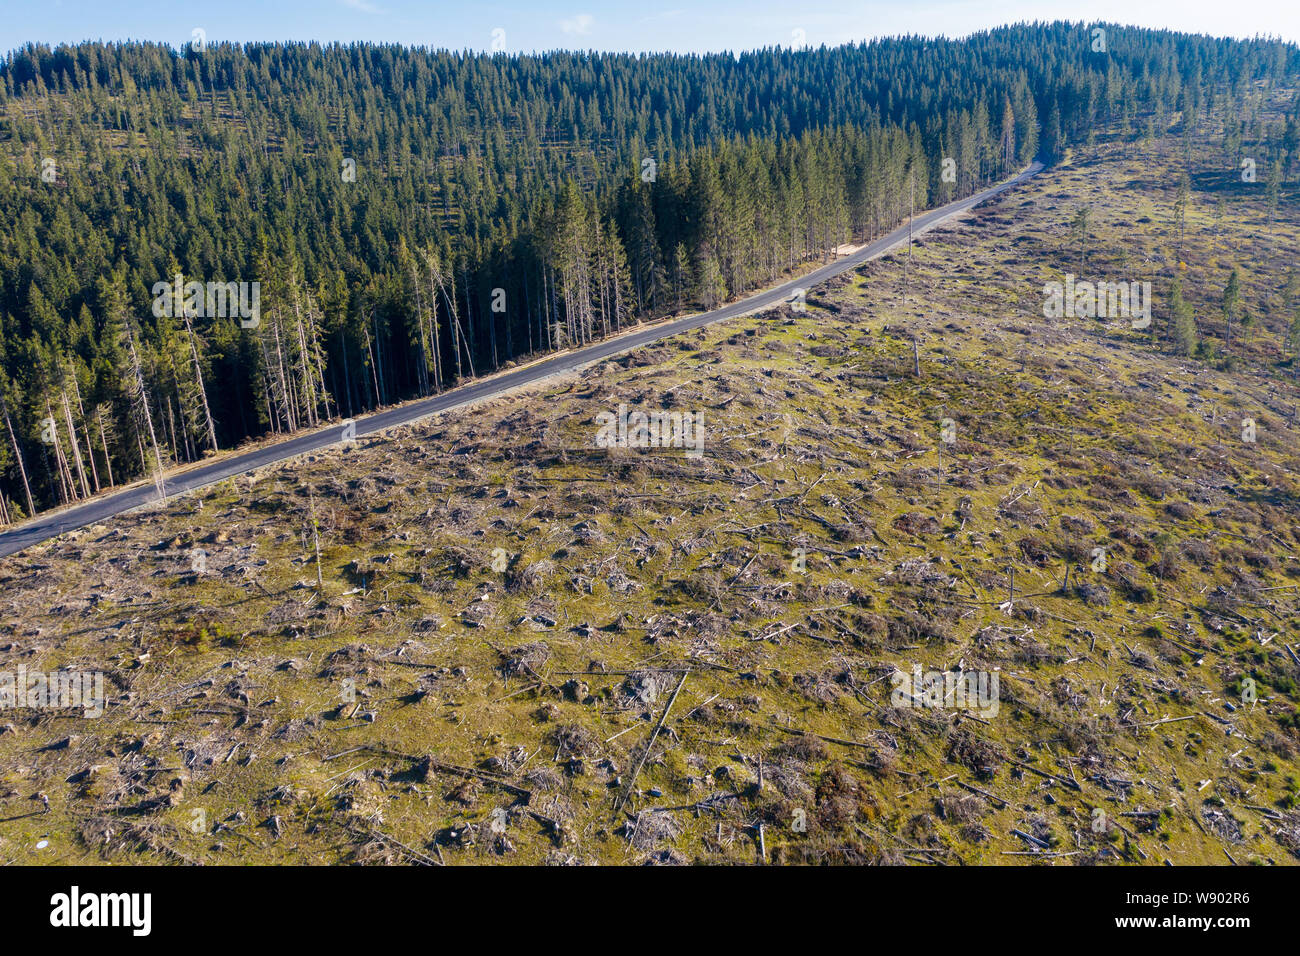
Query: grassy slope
point(634, 566)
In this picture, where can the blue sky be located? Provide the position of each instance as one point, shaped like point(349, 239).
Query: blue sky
point(682, 25)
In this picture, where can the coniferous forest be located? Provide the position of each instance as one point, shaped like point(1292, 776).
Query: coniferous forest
point(415, 217)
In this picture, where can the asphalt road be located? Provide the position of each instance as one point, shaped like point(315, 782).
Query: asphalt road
point(100, 509)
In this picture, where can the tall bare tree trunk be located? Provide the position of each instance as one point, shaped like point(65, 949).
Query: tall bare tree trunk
point(317, 360)
point(76, 447)
point(67, 486)
point(374, 372)
point(18, 456)
point(456, 334)
point(422, 365)
point(433, 322)
point(148, 414)
point(198, 377)
point(307, 387)
point(286, 392)
point(85, 428)
point(103, 438)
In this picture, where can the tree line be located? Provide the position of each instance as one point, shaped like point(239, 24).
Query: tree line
point(413, 217)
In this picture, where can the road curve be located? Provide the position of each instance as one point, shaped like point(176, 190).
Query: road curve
point(100, 509)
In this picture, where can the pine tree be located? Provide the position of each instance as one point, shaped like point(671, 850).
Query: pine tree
point(1182, 322)
point(709, 286)
point(1231, 302)
point(1079, 229)
point(1007, 141)
point(681, 272)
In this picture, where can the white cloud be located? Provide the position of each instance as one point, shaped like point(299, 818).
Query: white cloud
point(579, 25)
point(365, 6)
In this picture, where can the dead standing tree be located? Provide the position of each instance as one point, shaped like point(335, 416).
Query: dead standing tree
point(211, 431)
point(139, 395)
point(18, 452)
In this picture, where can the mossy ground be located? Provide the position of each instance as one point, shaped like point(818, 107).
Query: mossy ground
point(500, 716)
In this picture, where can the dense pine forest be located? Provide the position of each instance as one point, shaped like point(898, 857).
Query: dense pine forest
point(417, 217)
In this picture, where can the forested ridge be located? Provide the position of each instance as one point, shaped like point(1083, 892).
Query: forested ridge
point(501, 206)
